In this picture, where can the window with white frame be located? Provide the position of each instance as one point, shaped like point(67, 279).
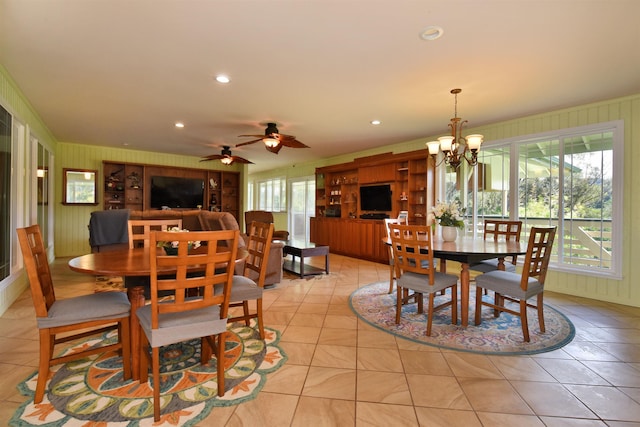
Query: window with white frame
point(272, 195)
point(571, 178)
point(6, 165)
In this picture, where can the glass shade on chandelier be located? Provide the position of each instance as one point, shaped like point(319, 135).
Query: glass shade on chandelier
point(226, 160)
point(456, 147)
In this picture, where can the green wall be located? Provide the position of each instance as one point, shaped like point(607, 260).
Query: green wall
point(626, 108)
point(14, 101)
point(71, 233)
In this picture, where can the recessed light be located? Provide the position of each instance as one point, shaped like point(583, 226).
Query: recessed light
point(179, 124)
point(221, 78)
point(432, 32)
point(376, 122)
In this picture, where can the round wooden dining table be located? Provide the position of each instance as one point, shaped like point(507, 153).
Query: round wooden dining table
point(128, 263)
point(468, 251)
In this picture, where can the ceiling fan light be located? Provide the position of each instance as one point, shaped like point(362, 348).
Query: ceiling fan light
point(226, 160)
point(270, 142)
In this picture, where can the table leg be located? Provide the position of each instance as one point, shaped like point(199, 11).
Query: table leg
point(464, 295)
point(326, 263)
point(301, 265)
point(136, 298)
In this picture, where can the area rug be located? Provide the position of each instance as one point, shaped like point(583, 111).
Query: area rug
point(91, 392)
point(496, 336)
point(109, 283)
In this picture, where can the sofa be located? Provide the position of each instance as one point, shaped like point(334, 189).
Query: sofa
point(264, 216)
point(197, 220)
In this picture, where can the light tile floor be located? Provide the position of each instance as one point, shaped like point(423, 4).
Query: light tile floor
point(342, 372)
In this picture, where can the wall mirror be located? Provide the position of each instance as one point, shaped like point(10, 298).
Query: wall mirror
point(79, 187)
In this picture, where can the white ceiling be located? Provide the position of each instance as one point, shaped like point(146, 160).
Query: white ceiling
point(114, 72)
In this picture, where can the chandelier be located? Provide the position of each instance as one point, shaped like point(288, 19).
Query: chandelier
point(456, 147)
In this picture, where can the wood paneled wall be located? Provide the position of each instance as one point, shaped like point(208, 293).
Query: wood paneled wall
point(625, 291)
point(71, 233)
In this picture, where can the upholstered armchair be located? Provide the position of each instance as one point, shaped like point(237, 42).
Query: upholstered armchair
point(264, 216)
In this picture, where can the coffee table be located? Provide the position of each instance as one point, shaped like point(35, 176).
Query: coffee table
point(302, 250)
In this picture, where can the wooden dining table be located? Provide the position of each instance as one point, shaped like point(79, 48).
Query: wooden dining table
point(468, 251)
point(128, 263)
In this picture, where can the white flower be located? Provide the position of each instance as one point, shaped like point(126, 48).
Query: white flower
point(448, 214)
point(174, 244)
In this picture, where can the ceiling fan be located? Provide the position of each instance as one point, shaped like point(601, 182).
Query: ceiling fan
point(225, 157)
point(274, 140)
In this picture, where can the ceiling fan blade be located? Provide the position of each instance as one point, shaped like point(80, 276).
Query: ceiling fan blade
point(212, 157)
point(275, 149)
point(293, 143)
point(255, 136)
point(241, 160)
point(249, 142)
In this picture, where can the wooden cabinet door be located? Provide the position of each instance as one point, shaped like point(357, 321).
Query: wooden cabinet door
point(378, 173)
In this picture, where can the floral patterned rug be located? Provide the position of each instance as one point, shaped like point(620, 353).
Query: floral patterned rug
point(91, 392)
point(497, 336)
point(109, 283)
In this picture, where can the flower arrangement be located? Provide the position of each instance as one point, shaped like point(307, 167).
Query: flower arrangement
point(449, 214)
point(171, 248)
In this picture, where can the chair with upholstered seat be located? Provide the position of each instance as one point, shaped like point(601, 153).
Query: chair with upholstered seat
point(497, 230)
point(140, 230)
point(250, 285)
point(185, 317)
point(108, 230)
point(264, 216)
point(392, 268)
point(74, 318)
point(412, 247)
point(510, 286)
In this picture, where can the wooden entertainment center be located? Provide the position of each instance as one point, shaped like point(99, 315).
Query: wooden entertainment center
point(128, 186)
point(341, 224)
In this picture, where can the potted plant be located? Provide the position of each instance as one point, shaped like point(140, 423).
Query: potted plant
point(171, 248)
point(449, 216)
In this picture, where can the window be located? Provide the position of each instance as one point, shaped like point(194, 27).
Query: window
point(5, 192)
point(303, 205)
point(272, 195)
point(570, 178)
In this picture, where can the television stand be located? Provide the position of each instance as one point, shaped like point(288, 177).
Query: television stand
point(374, 216)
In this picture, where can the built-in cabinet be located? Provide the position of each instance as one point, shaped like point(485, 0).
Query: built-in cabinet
point(340, 221)
point(224, 192)
point(127, 186)
point(407, 174)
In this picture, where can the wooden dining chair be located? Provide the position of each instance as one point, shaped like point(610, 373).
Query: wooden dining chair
point(140, 230)
point(74, 318)
point(250, 285)
point(412, 247)
point(184, 318)
point(510, 286)
point(499, 230)
point(392, 268)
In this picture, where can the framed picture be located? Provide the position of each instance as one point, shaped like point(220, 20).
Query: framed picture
point(79, 187)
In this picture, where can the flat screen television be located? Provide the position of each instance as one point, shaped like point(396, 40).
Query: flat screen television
point(176, 192)
point(375, 198)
